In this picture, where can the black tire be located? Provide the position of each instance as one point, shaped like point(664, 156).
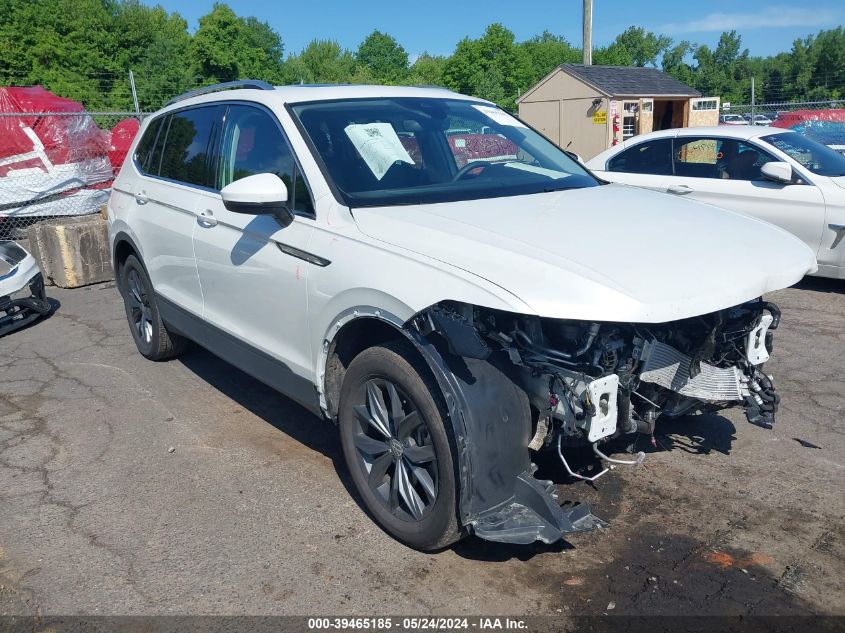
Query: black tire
point(424, 459)
point(148, 330)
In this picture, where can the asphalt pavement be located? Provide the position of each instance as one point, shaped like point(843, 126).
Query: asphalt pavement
point(186, 487)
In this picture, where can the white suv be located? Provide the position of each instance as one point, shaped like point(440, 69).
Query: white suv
point(454, 301)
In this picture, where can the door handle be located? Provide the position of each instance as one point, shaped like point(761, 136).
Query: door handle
point(206, 218)
point(141, 198)
point(679, 190)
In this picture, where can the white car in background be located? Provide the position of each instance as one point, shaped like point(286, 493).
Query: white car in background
point(757, 119)
point(773, 174)
point(732, 119)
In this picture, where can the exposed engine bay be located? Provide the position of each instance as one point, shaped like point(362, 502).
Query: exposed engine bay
point(591, 381)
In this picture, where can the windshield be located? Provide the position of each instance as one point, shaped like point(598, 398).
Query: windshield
point(814, 156)
point(380, 152)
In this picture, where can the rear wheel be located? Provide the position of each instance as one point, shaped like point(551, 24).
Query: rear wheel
point(151, 336)
point(398, 448)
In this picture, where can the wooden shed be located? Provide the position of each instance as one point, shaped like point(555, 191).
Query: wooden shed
point(586, 109)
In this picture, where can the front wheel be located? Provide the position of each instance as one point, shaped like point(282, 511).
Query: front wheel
point(398, 448)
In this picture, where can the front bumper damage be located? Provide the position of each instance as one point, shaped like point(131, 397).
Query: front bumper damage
point(516, 384)
point(22, 296)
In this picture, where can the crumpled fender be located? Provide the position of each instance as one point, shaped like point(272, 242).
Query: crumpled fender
point(500, 500)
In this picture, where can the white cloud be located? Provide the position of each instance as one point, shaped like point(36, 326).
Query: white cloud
point(770, 17)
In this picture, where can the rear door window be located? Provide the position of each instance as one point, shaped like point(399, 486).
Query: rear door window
point(723, 158)
point(189, 146)
point(253, 143)
point(700, 157)
point(650, 157)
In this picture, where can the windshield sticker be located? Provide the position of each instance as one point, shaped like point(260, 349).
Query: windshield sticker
point(379, 146)
point(499, 116)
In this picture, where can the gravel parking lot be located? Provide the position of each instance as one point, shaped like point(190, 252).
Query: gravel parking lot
point(131, 487)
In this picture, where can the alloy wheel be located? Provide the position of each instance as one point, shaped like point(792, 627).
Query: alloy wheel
point(395, 450)
point(139, 307)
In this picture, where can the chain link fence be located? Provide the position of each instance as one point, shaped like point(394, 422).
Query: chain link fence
point(772, 110)
point(55, 164)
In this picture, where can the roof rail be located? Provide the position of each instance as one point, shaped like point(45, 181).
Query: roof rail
point(256, 84)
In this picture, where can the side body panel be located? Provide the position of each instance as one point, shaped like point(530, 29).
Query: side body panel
point(798, 209)
point(251, 289)
point(831, 255)
point(163, 219)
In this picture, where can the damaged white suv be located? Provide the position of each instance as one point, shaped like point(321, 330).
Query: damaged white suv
point(445, 284)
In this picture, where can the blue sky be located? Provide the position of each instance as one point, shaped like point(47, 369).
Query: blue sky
point(435, 26)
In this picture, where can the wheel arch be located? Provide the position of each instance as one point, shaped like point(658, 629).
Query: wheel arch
point(122, 247)
point(352, 332)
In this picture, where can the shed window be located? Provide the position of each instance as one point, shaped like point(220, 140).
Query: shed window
point(705, 104)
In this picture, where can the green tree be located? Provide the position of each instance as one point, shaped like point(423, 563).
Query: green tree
point(546, 52)
point(828, 53)
point(675, 62)
point(67, 46)
point(724, 71)
point(492, 67)
point(427, 70)
point(642, 47)
point(613, 55)
point(154, 45)
point(227, 47)
point(322, 61)
point(384, 58)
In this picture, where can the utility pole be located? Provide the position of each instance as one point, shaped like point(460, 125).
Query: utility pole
point(587, 32)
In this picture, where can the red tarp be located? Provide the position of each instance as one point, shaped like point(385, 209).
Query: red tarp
point(789, 120)
point(66, 139)
point(58, 163)
point(824, 126)
point(122, 136)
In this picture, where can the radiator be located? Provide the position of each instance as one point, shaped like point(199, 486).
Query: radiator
point(665, 366)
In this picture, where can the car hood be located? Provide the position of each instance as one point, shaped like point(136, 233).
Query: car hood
point(608, 253)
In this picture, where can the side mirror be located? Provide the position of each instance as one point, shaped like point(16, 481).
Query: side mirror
point(777, 171)
point(261, 194)
point(574, 156)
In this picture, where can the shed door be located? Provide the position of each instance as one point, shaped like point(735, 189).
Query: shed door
point(544, 116)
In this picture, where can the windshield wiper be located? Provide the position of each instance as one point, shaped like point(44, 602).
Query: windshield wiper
point(553, 189)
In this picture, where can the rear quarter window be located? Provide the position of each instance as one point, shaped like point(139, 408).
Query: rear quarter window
point(144, 150)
